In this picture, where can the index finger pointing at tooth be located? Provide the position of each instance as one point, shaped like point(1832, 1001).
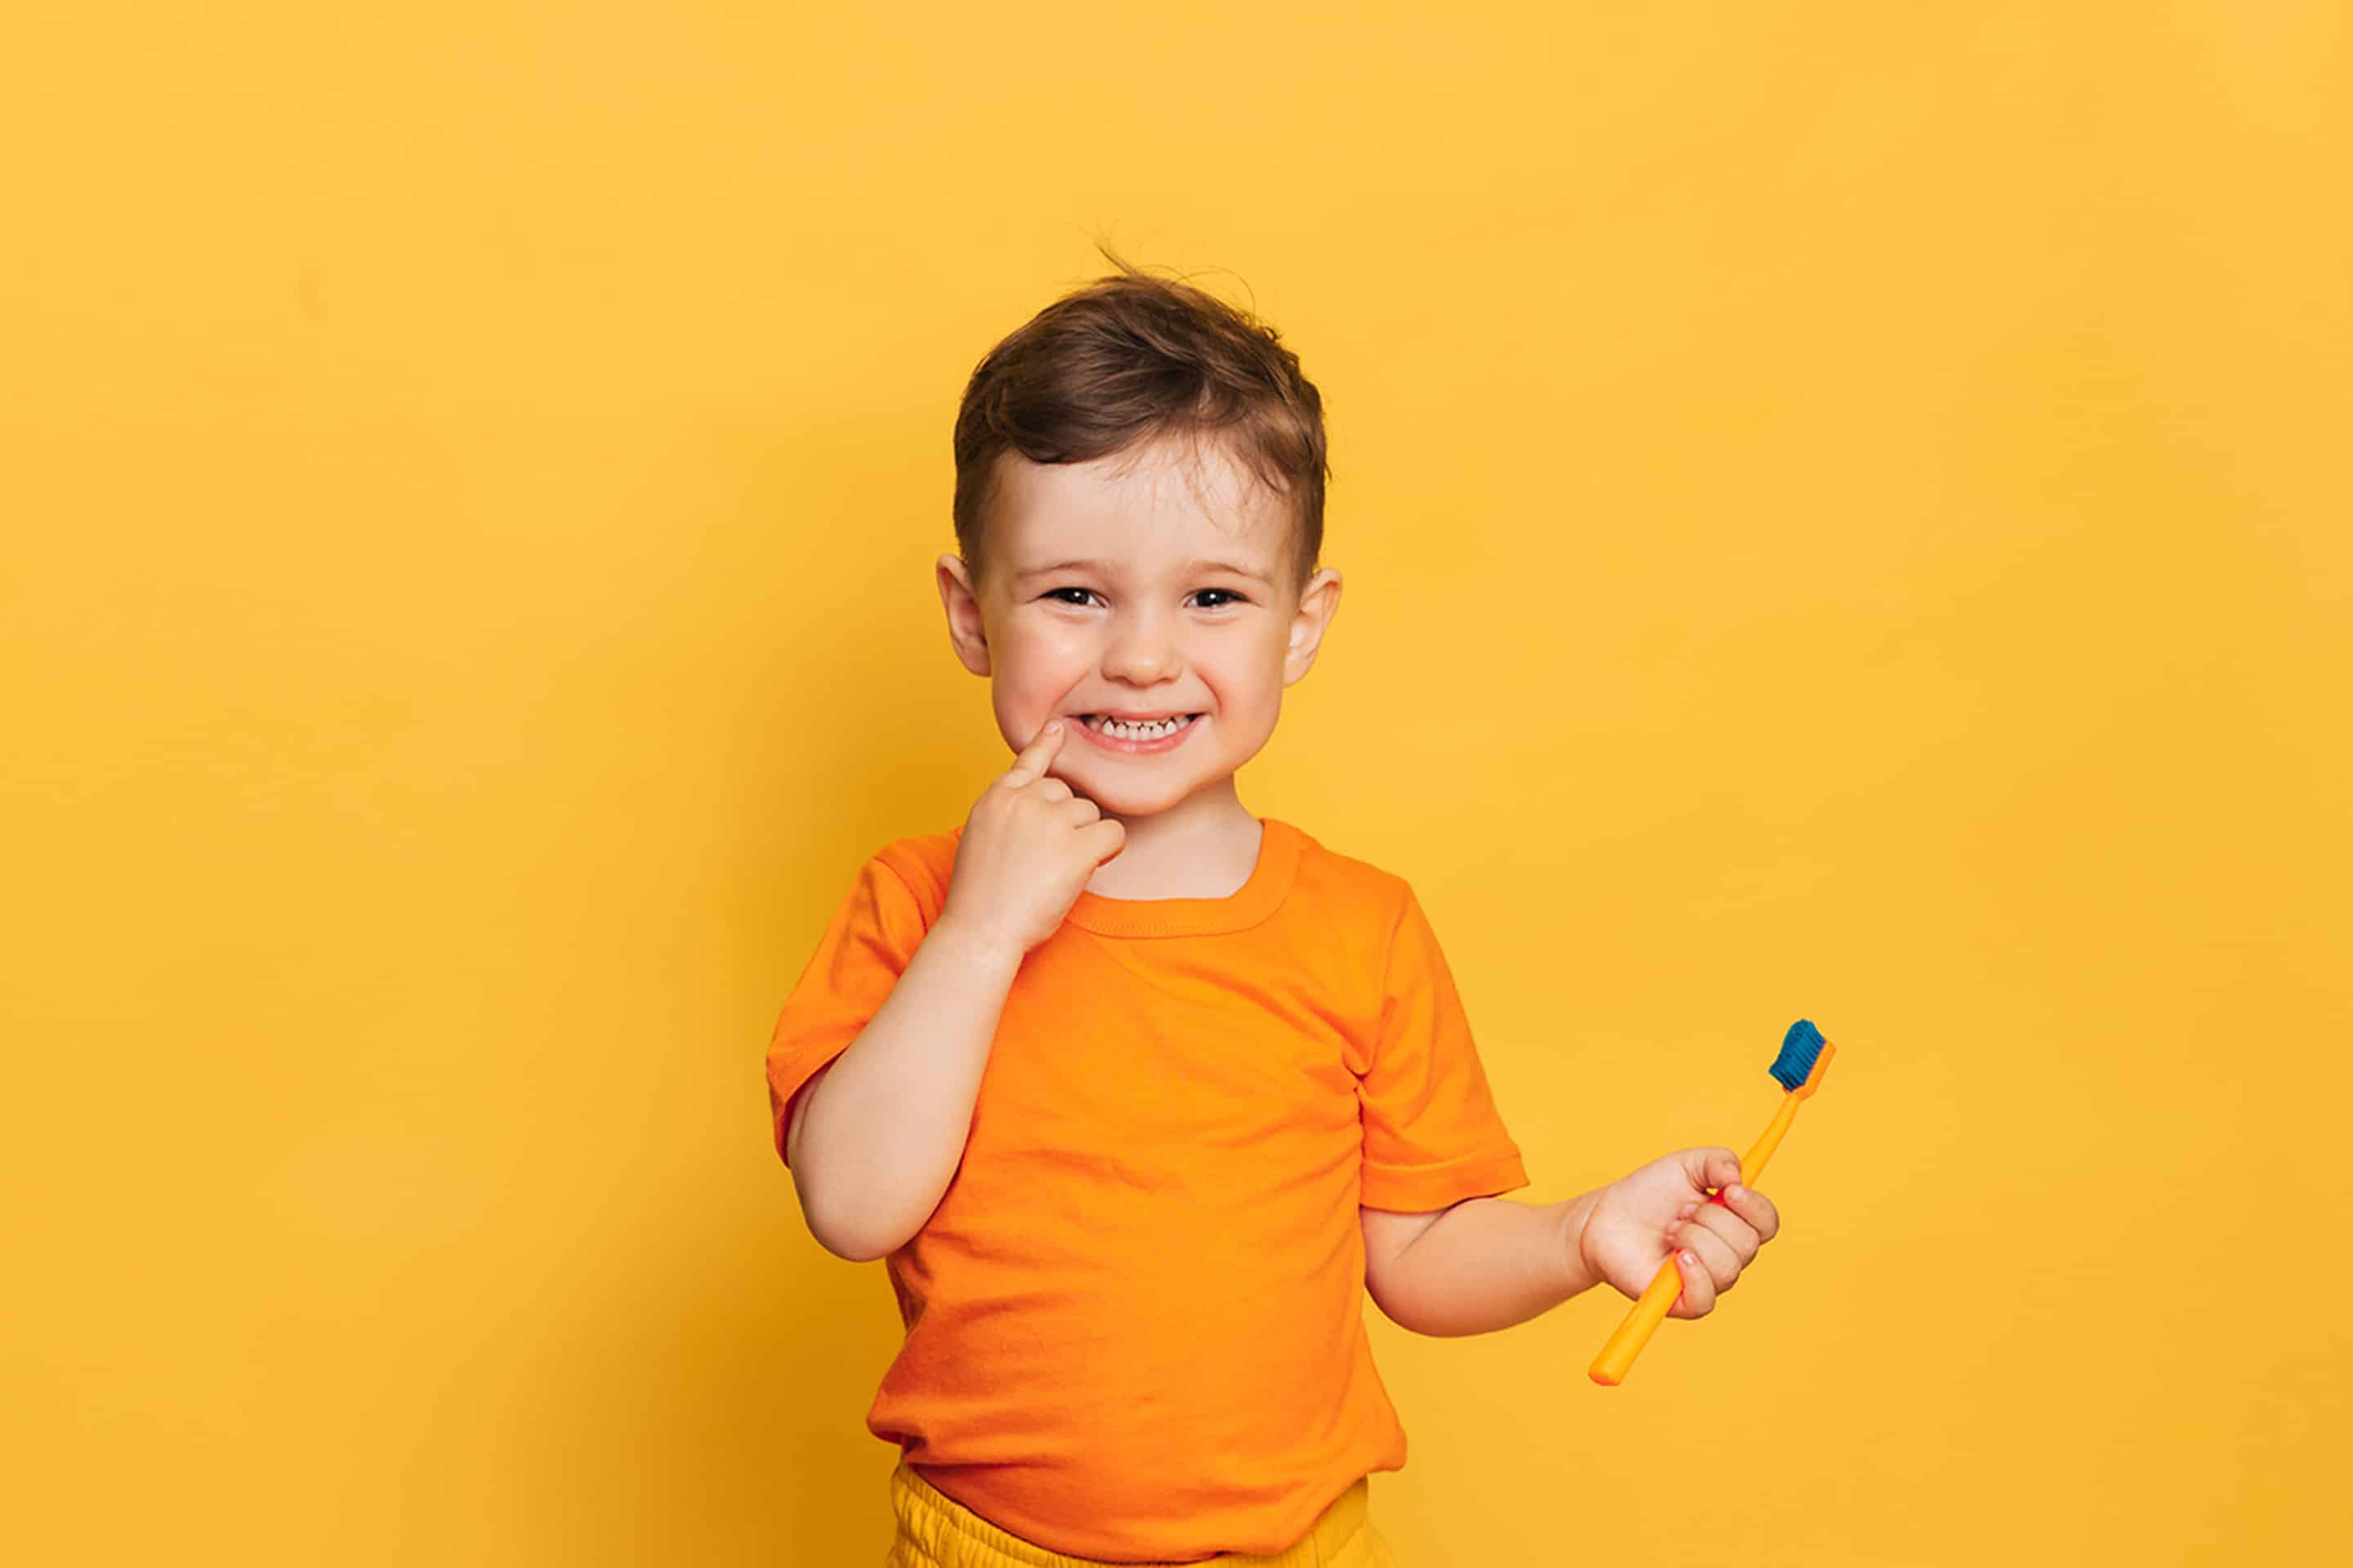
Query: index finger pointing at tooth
point(1041, 749)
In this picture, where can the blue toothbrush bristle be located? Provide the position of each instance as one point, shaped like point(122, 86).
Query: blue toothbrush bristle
point(1801, 1048)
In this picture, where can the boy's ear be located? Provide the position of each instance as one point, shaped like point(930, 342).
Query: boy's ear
point(1318, 602)
point(967, 633)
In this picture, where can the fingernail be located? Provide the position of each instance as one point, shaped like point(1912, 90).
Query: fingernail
point(1692, 1258)
point(1052, 724)
point(1735, 1192)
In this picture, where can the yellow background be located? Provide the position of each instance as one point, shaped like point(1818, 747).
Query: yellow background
point(1844, 514)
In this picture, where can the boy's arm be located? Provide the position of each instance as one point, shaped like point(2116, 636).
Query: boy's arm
point(877, 1134)
point(1477, 1266)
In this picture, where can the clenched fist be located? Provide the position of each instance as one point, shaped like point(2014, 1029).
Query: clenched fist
point(1688, 1205)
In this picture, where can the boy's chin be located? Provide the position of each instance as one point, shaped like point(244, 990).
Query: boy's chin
point(1125, 798)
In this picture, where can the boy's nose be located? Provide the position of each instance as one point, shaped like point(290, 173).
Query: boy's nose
point(1141, 655)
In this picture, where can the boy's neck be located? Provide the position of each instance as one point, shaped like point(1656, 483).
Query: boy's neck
point(1205, 846)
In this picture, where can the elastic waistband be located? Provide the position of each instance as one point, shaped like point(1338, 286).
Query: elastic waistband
point(932, 1519)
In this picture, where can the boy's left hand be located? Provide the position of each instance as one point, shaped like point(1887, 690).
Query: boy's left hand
point(1663, 1210)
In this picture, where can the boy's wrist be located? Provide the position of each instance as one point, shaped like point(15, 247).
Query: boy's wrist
point(1578, 1274)
point(981, 944)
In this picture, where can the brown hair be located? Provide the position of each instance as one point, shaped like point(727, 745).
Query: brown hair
point(1125, 362)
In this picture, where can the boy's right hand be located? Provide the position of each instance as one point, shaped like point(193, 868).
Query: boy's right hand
point(1027, 850)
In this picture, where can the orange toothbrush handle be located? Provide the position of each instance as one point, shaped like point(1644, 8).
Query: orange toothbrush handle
point(1652, 1307)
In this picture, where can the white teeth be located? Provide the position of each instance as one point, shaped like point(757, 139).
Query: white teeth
point(1126, 731)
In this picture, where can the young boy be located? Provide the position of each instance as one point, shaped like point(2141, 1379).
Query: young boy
point(1139, 1094)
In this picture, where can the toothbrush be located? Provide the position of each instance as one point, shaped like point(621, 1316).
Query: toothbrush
point(1805, 1057)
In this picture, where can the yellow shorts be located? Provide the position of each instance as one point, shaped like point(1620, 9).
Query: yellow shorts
point(937, 1531)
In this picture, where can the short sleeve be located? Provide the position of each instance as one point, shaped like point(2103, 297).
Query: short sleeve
point(1432, 1135)
point(865, 948)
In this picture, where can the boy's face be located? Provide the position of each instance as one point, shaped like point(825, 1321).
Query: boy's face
point(1147, 627)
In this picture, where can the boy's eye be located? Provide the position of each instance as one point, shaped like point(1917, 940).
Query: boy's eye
point(1085, 594)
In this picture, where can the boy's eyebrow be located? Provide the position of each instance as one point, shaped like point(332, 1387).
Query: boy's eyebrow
point(1110, 568)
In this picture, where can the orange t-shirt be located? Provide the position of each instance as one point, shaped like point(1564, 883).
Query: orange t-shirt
point(1135, 1320)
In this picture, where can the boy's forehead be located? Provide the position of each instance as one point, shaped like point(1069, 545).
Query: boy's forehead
point(1142, 511)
